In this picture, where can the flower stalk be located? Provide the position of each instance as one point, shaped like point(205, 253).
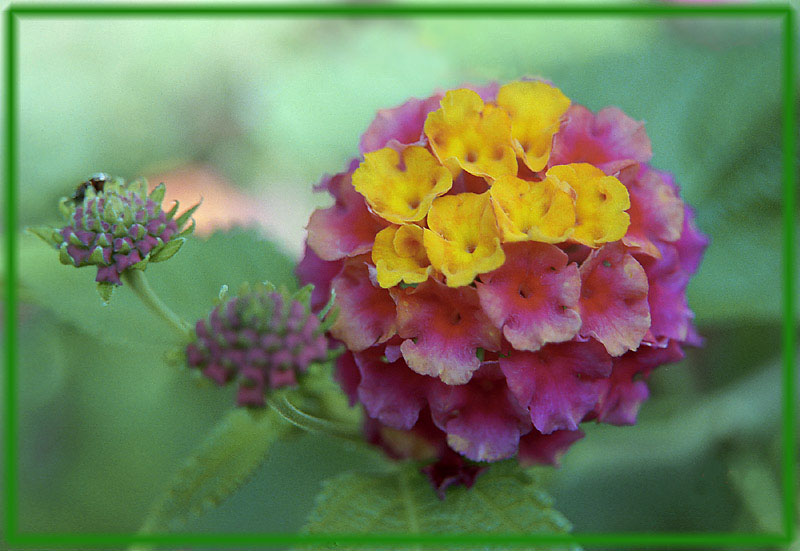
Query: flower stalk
point(137, 281)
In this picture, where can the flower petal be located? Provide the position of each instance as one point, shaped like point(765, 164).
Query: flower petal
point(348, 376)
point(477, 137)
point(599, 139)
point(482, 419)
point(390, 392)
point(557, 384)
point(533, 297)
point(536, 448)
point(312, 269)
point(692, 244)
point(345, 229)
point(443, 328)
point(533, 211)
point(623, 392)
point(398, 191)
point(535, 108)
point(366, 312)
point(399, 255)
point(399, 126)
point(656, 211)
point(613, 303)
point(670, 314)
point(600, 204)
point(451, 470)
point(463, 240)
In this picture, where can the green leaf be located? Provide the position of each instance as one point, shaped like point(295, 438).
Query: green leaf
point(168, 250)
point(756, 484)
point(171, 212)
point(47, 234)
point(187, 284)
point(105, 290)
point(236, 447)
point(157, 195)
point(504, 500)
point(97, 255)
point(183, 218)
point(188, 230)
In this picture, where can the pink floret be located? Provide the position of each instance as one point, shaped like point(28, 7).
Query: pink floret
point(599, 138)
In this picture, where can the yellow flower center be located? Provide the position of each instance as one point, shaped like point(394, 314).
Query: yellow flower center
point(456, 236)
point(404, 192)
point(477, 137)
point(600, 203)
point(399, 255)
point(462, 239)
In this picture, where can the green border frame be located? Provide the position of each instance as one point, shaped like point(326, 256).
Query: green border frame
point(14, 13)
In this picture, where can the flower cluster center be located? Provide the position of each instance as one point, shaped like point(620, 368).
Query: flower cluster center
point(482, 180)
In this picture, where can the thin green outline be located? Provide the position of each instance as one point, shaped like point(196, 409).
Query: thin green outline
point(10, 432)
point(400, 10)
point(789, 394)
point(789, 330)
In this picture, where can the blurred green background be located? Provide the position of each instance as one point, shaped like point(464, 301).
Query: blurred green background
point(250, 112)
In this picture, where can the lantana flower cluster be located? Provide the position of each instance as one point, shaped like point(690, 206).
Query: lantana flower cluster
point(506, 265)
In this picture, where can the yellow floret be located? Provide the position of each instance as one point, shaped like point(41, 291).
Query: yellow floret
point(533, 211)
point(535, 109)
point(463, 239)
point(401, 193)
point(475, 136)
point(399, 255)
point(600, 203)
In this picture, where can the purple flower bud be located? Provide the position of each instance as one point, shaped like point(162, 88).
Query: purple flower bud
point(217, 373)
point(115, 225)
point(263, 339)
point(193, 355)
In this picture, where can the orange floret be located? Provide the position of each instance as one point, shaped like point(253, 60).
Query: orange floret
point(600, 204)
point(533, 211)
point(463, 239)
point(474, 136)
point(404, 192)
point(535, 109)
point(399, 255)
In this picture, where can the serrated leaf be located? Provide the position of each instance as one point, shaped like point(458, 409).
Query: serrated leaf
point(168, 250)
point(504, 500)
point(236, 447)
point(187, 284)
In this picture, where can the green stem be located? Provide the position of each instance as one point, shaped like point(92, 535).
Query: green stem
point(137, 281)
point(309, 423)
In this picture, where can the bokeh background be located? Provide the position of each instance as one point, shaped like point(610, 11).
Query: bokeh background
point(249, 113)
